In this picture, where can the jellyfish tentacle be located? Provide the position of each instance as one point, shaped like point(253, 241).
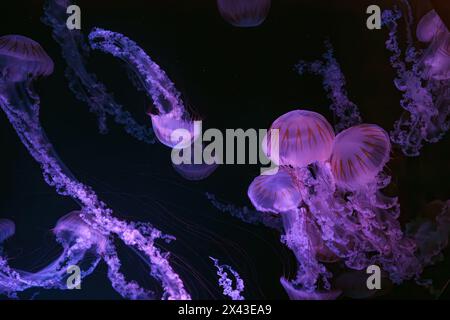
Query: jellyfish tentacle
point(86, 87)
point(226, 283)
point(19, 70)
point(345, 111)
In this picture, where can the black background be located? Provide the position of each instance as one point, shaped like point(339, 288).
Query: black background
point(234, 78)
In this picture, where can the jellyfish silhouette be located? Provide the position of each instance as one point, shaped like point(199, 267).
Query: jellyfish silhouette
point(422, 77)
point(85, 86)
point(244, 13)
point(22, 61)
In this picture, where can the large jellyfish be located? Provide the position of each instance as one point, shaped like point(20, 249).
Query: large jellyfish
point(244, 13)
point(329, 197)
point(86, 87)
point(22, 61)
point(172, 123)
point(423, 78)
point(345, 112)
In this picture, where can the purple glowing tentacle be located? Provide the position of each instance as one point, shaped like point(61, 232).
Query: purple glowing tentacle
point(86, 87)
point(128, 290)
point(361, 228)
point(245, 214)
point(425, 118)
point(25, 120)
point(226, 283)
point(172, 113)
point(297, 238)
point(345, 111)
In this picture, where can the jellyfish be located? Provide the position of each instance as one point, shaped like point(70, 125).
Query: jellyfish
point(85, 86)
point(422, 77)
point(244, 13)
point(171, 112)
point(195, 172)
point(22, 61)
point(173, 124)
point(226, 283)
point(82, 247)
point(436, 59)
point(345, 112)
point(304, 131)
point(332, 208)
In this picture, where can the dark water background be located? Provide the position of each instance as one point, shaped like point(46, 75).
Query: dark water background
point(234, 78)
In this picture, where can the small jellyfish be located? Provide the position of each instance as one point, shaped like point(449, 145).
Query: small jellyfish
point(244, 13)
point(437, 57)
point(304, 137)
point(195, 171)
point(429, 27)
point(359, 154)
point(277, 193)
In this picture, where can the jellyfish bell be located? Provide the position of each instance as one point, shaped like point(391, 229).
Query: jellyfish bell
point(71, 229)
point(276, 193)
point(244, 13)
point(429, 27)
point(359, 154)
point(21, 57)
point(7, 229)
point(304, 137)
point(195, 171)
point(174, 132)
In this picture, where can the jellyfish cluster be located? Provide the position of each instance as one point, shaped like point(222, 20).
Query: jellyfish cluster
point(326, 197)
point(423, 78)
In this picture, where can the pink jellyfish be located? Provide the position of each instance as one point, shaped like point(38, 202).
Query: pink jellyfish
point(327, 192)
point(173, 124)
point(244, 13)
point(304, 137)
point(22, 61)
point(359, 154)
point(436, 58)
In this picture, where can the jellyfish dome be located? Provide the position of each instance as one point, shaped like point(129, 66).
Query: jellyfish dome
point(304, 137)
point(7, 229)
point(70, 228)
point(359, 154)
point(274, 193)
point(429, 27)
point(244, 13)
point(20, 57)
point(165, 126)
